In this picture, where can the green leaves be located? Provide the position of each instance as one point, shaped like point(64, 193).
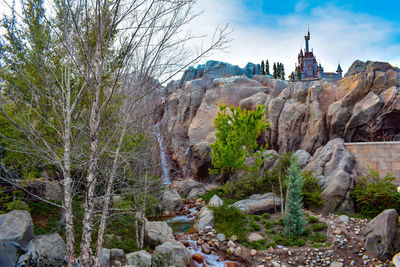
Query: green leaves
point(236, 133)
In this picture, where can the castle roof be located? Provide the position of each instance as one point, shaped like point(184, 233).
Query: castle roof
point(339, 68)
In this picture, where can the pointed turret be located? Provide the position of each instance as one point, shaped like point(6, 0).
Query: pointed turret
point(307, 38)
point(339, 71)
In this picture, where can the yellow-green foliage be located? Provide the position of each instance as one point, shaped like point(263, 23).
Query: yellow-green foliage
point(236, 133)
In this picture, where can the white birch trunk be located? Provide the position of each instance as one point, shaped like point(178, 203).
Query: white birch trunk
point(110, 184)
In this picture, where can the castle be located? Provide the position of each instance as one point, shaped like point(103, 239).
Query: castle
point(308, 68)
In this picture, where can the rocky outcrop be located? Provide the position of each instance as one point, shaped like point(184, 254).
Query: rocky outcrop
point(139, 258)
point(158, 232)
point(45, 250)
point(335, 168)
point(171, 254)
point(302, 115)
point(258, 204)
point(19, 246)
point(382, 236)
point(171, 202)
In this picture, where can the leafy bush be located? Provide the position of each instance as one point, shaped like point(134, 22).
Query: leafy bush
point(319, 226)
point(318, 237)
point(255, 226)
point(374, 194)
point(312, 219)
point(230, 221)
point(311, 191)
point(236, 133)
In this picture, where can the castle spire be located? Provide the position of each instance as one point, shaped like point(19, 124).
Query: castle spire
point(307, 38)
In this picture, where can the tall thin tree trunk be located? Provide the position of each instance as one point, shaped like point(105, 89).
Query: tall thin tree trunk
point(67, 197)
point(110, 184)
point(281, 189)
point(142, 218)
point(93, 161)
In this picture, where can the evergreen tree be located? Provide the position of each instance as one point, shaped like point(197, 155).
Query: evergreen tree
point(275, 74)
point(254, 69)
point(292, 76)
point(267, 68)
point(282, 72)
point(262, 68)
point(293, 219)
point(298, 74)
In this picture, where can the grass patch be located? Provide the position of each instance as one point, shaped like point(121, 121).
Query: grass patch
point(319, 226)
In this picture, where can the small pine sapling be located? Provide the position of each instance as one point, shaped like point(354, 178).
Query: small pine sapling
point(293, 218)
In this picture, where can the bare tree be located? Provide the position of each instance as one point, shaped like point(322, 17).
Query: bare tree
point(100, 46)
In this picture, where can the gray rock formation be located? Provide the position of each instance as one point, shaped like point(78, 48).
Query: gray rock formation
point(258, 203)
point(215, 201)
point(19, 246)
point(16, 231)
point(335, 168)
point(382, 237)
point(183, 187)
point(303, 157)
point(204, 218)
point(158, 232)
point(171, 254)
point(139, 258)
point(171, 202)
point(44, 250)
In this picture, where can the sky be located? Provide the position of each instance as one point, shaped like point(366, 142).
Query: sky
point(341, 31)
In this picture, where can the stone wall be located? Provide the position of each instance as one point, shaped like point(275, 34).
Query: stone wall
point(381, 156)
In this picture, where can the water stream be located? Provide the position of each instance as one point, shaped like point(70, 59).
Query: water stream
point(183, 224)
point(165, 167)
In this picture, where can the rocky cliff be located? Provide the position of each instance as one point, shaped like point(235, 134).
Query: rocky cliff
point(362, 106)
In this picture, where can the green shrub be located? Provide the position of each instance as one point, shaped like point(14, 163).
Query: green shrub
point(312, 219)
point(230, 221)
point(268, 224)
point(254, 226)
point(318, 238)
point(319, 226)
point(236, 133)
point(311, 191)
point(374, 194)
point(266, 215)
point(307, 231)
point(257, 217)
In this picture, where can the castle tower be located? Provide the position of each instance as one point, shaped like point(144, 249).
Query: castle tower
point(307, 38)
point(339, 71)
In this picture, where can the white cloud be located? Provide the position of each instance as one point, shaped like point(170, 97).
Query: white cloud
point(336, 35)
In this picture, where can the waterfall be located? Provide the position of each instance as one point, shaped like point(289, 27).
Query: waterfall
point(165, 167)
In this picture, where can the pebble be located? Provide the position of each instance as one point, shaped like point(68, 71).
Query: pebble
point(253, 252)
point(231, 244)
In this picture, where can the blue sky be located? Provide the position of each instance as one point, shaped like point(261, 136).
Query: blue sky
point(340, 30)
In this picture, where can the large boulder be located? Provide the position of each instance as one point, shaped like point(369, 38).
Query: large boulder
point(171, 202)
point(195, 193)
point(335, 168)
point(204, 218)
point(139, 258)
point(183, 187)
point(158, 232)
point(303, 157)
point(171, 254)
point(215, 201)
point(382, 236)
point(258, 203)
point(44, 250)
point(16, 231)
